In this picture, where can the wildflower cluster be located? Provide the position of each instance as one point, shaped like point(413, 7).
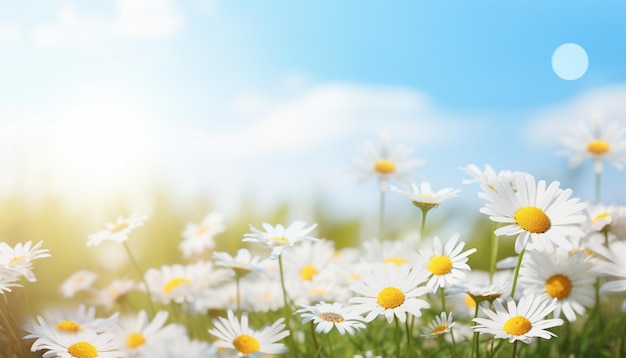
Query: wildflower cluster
point(291, 292)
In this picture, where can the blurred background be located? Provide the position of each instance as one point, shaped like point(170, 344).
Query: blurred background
point(254, 110)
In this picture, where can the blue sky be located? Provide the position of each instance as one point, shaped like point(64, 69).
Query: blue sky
point(273, 97)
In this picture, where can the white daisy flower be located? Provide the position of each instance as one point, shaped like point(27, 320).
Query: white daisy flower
point(605, 222)
point(386, 163)
point(278, 237)
point(114, 293)
point(519, 322)
point(236, 335)
point(367, 354)
point(182, 347)
point(424, 197)
point(8, 279)
point(63, 322)
point(391, 290)
point(325, 316)
point(308, 259)
point(541, 216)
point(85, 344)
point(442, 324)
point(242, 263)
point(262, 294)
point(20, 258)
point(81, 280)
point(560, 276)
point(597, 141)
point(200, 237)
point(182, 283)
point(446, 264)
point(477, 288)
point(612, 264)
point(117, 231)
point(396, 252)
point(138, 334)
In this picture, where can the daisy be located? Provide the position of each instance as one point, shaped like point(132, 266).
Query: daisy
point(396, 252)
point(307, 260)
point(560, 276)
point(519, 322)
point(86, 344)
point(605, 222)
point(182, 283)
point(391, 290)
point(8, 279)
point(488, 176)
point(329, 315)
point(612, 264)
point(597, 141)
point(199, 237)
point(114, 293)
point(442, 324)
point(57, 322)
point(278, 237)
point(182, 347)
point(446, 264)
point(477, 287)
point(117, 231)
point(138, 333)
point(237, 335)
point(424, 197)
point(20, 258)
point(242, 263)
point(386, 163)
point(79, 281)
point(541, 216)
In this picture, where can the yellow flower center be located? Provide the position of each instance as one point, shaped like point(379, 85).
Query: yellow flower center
point(332, 317)
point(175, 283)
point(135, 340)
point(517, 326)
point(532, 219)
point(598, 147)
point(440, 265)
point(390, 297)
point(600, 217)
point(68, 326)
point(558, 286)
point(279, 240)
point(384, 166)
point(246, 344)
point(439, 329)
point(82, 350)
point(469, 301)
point(318, 291)
point(308, 272)
point(202, 229)
point(16, 260)
point(398, 261)
point(119, 227)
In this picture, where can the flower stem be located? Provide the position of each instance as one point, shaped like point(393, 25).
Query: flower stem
point(398, 335)
point(475, 343)
point(314, 337)
point(423, 226)
point(620, 345)
point(514, 349)
point(381, 216)
point(140, 273)
point(286, 307)
point(237, 280)
point(408, 337)
point(597, 182)
point(517, 267)
point(494, 253)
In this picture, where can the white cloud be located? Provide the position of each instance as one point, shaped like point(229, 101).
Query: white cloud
point(328, 113)
point(548, 125)
point(131, 19)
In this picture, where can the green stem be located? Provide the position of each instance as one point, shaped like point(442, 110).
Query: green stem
point(620, 345)
point(423, 226)
point(314, 336)
point(238, 298)
point(515, 349)
point(141, 276)
point(286, 307)
point(598, 179)
point(398, 335)
point(475, 346)
point(494, 253)
point(517, 267)
point(408, 337)
point(381, 216)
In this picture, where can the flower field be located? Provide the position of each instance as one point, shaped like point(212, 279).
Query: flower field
point(544, 274)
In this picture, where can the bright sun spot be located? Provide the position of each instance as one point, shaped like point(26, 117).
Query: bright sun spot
point(570, 61)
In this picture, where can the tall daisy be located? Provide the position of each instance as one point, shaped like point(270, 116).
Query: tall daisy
point(446, 264)
point(424, 197)
point(519, 321)
point(561, 276)
point(118, 230)
point(200, 237)
point(391, 290)
point(612, 264)
point(20, 258)
point(540, 216)
point(597, 141)
point(386, 163)
point(238, 336)
point(277, 238)
point(139, 334)
point(442, 324)
point(87, 344)
point(325, 316)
